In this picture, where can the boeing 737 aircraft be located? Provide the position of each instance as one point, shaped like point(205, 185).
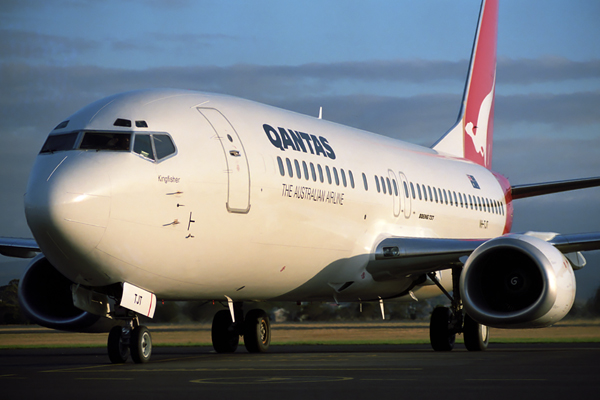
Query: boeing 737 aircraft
point(159, 195)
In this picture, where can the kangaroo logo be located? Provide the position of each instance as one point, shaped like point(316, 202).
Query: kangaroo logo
point(479, 133)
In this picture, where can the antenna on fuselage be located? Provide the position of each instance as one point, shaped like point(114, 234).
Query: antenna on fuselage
point(320, 112)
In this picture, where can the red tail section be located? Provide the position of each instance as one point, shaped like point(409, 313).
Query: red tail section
point(472, 136)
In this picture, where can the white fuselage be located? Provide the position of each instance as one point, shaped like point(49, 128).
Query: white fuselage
point(217, 218)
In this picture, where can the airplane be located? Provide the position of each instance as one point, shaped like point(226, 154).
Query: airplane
point(168, 195)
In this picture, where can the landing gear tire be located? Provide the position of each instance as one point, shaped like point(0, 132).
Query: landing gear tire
point(441, 332)
point(140, 345)
point(257, 331)
point(476, 335)
point(225, 337)
point(118, 352)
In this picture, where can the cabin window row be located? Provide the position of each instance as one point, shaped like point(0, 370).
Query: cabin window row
point(316, 172)
point(453, 198)
point(438, 195)
point(389, 186)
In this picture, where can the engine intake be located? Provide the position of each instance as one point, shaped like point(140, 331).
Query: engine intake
point(46, 298)
point(517, 281)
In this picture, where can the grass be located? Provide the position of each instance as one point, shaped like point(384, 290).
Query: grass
point(305, 333)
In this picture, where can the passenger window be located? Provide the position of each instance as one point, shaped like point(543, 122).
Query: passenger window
point(436, 195)
point(335, 175)
point(163, 145)
point(430, 195)
point(412, 190)
point(389, 186)
point(328, 171)
point(395, 187)
point(305, 168)
point(377, 184)
point(312, 172)
point(383, 185)
point(419, 191)
point(445, 197)
point(365, 181)
point(455, 199)
point(405, 189)
point(143, 146)
point(289, 167)
point(344, 181)
point(297, 165)
point(320, 172)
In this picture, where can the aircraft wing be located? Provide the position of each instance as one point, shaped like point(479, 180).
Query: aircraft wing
point(399, 256)
point(576, 242)
point(18, 247)
point(538, 189)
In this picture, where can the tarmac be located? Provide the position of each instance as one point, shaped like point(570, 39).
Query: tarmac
point(504, 371)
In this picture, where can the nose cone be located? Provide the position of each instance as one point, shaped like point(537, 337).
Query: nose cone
point(67, 206)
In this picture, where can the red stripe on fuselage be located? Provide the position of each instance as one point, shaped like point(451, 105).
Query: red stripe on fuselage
point(507, 190)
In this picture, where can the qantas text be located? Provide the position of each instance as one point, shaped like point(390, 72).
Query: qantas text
point(285, 139)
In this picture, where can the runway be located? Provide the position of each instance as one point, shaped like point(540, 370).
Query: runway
point(308, 372)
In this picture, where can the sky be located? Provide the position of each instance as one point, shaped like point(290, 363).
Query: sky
point(396, 68)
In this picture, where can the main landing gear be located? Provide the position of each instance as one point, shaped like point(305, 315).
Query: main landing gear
point(447, 322)
point(132, 339)
point(255, 329)
point(135, 340)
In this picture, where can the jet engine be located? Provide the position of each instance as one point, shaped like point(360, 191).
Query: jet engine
point(46, 298)
point(517, 281)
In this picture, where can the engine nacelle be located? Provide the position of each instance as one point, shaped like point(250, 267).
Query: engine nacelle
point(517, 281)
point(45, 297)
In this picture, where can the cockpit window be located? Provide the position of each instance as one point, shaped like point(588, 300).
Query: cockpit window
point(62, 142)
point(143, 146)
point(105, 141)
point(163, 145)
point(154, 146)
